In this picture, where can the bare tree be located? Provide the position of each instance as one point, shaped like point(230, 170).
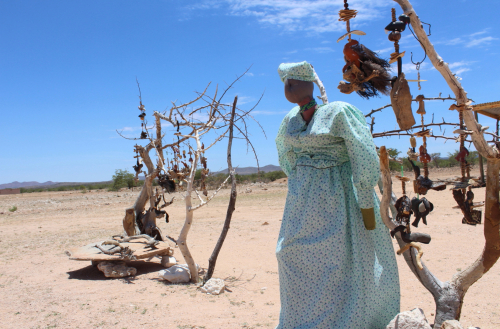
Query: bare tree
point(449, 295)
point(192, 125)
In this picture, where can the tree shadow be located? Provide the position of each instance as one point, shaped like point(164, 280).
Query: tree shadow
point(92, 273)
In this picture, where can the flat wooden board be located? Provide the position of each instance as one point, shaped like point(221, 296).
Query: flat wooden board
point(491, 110)
point(140, 251)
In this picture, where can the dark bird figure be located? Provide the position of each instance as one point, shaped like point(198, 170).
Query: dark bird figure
point(421, 208)
point(366, 73)
point(138, 167)
point(167, 183)
point(403, 206)
point(404, 18)
point(422, 183)
point(411, 237)
point(398, 26)
point(462, 154)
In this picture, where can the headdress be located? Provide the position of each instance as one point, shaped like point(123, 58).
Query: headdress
point(298, 71)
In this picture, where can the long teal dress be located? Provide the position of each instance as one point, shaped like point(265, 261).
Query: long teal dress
point(333, 273)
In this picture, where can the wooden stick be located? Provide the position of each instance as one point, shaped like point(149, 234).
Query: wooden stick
point(232, 202)
point(419, 254)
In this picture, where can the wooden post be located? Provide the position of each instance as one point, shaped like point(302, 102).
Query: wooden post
point(481, 167)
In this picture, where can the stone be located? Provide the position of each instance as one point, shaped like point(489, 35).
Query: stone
point(414, 319)
point(451, 324)
point(213, 287)
point(177, 273)
point(248, 190)
point(116, 269)
point(168, 261)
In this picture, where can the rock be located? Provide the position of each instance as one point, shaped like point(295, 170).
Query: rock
point(414, 319)
point(248, 190)
point(451, 324)
point(116, 269)
point(213, 287)
point(177, 273)
point(168, 261)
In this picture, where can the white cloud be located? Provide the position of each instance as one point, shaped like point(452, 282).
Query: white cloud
point(478, 33)
point(314, 16)
point(469, 40)
point(451, 42)
point(385, 50)
point(245, 99)
point(460, 67)
point(321, 50)
point(480, 42)
point(410, 67)
point(268, 112)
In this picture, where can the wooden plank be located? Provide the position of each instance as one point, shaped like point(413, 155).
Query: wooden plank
point(491, 109)
point(140, 251)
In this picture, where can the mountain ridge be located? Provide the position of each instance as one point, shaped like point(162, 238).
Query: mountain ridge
point(51, 184)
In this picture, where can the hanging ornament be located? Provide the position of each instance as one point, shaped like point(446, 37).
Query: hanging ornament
point(422, 183)
point(462, 192)
point(404, 211)
point(400, 93)
point(421, 208)
point(365, 72)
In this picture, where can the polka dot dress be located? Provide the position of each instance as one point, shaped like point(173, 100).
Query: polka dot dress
point(333, 273)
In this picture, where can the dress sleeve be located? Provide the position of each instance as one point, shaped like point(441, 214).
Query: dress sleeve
point(287, 158)
point(350, 125)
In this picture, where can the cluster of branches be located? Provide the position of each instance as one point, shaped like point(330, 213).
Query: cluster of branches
point(449, 295)
point(191, 124)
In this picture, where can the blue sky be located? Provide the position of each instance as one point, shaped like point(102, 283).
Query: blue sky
point(68, 71)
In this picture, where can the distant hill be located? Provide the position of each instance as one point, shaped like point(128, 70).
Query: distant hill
point(17, 184)
point(251, 170)
point(50, 184)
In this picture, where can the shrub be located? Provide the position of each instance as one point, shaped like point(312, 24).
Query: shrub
point(122, 178)
point(13, 208)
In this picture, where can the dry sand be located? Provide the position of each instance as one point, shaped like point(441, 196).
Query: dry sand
point(41, 288)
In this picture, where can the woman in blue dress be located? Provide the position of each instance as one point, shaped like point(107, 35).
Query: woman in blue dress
point(336, 262)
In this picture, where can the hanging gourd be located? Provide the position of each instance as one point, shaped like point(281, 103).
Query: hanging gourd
point(365, 72)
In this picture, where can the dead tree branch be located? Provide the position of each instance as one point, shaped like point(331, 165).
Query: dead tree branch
point(232, 201)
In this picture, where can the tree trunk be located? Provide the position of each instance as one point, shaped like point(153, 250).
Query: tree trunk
point(232, 202)
point(182, 240)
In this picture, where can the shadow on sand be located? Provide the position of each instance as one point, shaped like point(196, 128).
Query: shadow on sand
point(91, 272)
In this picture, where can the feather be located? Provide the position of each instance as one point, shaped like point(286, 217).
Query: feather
point(370, 62)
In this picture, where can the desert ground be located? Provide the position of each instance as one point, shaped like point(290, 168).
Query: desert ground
point(40, 287)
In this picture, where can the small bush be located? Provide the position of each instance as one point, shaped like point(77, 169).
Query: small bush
point(13, 208)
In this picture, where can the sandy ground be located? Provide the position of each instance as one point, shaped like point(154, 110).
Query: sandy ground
point(41, 288)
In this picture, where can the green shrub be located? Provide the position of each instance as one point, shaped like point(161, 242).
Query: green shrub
point(122, 178)
point(13, 208)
